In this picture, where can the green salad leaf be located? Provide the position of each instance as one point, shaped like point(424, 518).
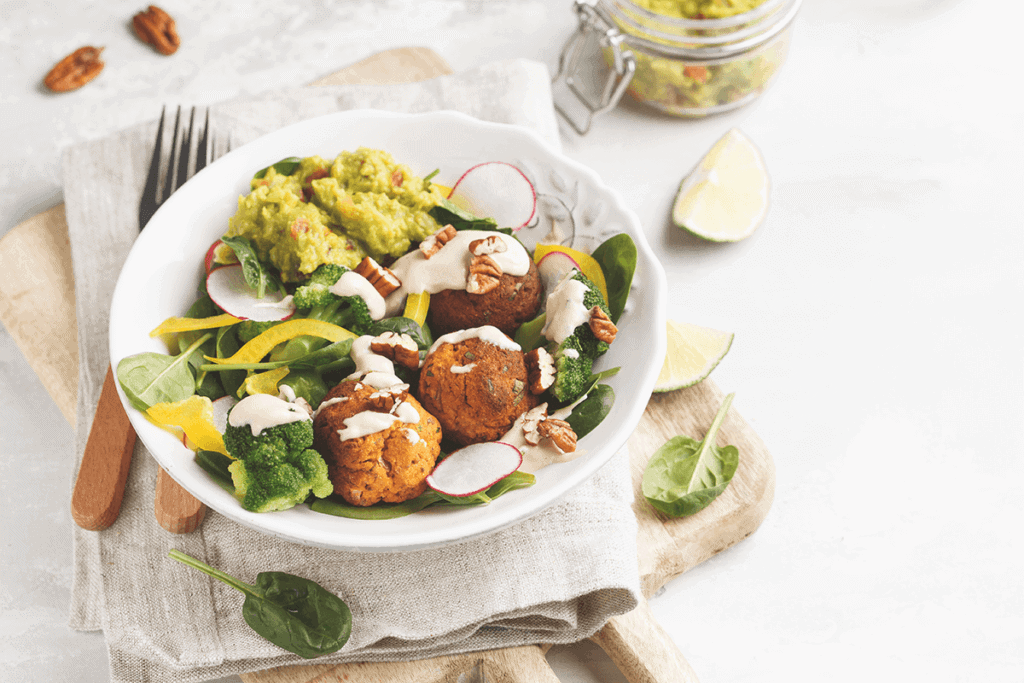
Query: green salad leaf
point(149, 377)
point(685, 475)
point(256, 275)
point(617, 258)
point(294, 613)
point(449, 213)
point(592, 410)
point(286, 166)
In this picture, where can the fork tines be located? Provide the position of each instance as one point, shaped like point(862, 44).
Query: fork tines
point(182, 161)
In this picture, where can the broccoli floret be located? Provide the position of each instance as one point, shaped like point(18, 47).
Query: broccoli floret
point(276, 469)
point(592, 346)
point(317, 302)
point(250, 329)
point(572, 370)
point(314, 292)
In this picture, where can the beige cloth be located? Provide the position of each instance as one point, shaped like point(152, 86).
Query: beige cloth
point(554, 578)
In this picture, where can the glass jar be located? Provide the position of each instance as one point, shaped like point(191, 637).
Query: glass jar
point(684, 67)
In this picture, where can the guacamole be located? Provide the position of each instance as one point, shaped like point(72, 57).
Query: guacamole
point(676, 78)
point(698, 9)
point(363, 203)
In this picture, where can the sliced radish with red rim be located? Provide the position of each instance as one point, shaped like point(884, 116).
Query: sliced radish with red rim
point(228, 289)
point(498, 190)
point(475, 468)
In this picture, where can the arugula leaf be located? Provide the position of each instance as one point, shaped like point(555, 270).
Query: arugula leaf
point(448, 213)
point(256, 276)
point(685, 475)
point(617, 258)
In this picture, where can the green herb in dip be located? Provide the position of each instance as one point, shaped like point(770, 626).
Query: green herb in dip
point(363, 203)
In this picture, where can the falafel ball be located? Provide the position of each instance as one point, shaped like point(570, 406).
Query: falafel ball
point(475, 388)
point(385, 450)
point(515, 300)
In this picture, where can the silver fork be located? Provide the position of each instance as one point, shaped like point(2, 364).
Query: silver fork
point(183, 161)
point(103, 473)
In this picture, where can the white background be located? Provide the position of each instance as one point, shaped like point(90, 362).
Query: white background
point(877, 314)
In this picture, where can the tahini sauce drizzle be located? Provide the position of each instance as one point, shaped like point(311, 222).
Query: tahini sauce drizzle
point(449, 267)
point(352, 283)
point(487, 333)
point(261, 411)
point(544, 453)
point(565, 309)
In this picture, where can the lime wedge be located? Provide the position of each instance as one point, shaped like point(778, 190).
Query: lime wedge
point(725, 197)
point(692, 353)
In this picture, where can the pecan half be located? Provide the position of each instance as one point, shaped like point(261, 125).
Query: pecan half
point(382, 279)
point(157, 28)
point(433, 244)
point(561, 434)
point(487, 245)
point(75, 70)
point(399, 348)
point(602, 326)
point(483, 275)
point(540, 370)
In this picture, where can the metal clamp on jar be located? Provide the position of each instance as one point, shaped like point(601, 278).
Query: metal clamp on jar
point(684, 66)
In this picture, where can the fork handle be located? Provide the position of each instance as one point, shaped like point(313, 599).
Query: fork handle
point(99, 488)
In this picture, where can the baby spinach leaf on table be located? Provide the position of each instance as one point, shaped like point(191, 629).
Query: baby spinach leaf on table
point(286, 166)
point(449, 213)
point(617, 258)
point(294, 613)
point(256, 276)
point(685, 475)
point(591, 410)
point(149, 377)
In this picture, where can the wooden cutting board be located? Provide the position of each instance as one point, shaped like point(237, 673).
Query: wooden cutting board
point(37, 306)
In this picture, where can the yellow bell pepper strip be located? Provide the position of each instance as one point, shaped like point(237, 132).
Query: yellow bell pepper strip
point(261, 345)
point(195, 416)
point(416, 306)
point(263, 382)
point(172, 325)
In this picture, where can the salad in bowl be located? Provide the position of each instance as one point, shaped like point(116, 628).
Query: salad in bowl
point(395, 344)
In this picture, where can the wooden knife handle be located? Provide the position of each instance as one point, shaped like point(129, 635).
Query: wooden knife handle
point(99, 489)
point(642, 650)
point(177, 510)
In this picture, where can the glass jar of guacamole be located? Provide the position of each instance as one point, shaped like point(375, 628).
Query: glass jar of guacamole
point(688, 58)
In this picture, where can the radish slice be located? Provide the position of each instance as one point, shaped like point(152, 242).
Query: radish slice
point(474, 468)
point(221, 407)
point(554, 266)
point(497, 190)
point(219, 254)
point(228, 289)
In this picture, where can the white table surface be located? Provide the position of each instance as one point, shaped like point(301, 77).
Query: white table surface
point(877, 314)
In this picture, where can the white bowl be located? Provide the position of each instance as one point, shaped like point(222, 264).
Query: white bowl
point(165, 266)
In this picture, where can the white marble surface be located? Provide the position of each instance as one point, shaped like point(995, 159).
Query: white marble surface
point(877, 314)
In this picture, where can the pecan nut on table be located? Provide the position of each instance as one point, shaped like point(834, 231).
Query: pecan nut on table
point(75, 70)
point(157, 28)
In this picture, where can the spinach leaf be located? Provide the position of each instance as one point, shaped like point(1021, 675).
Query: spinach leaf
point(149, 377)
point(401, 325)
point(592, 410)
point(448, 213)
point(339, 507)
point(206, 384)
point(685, 475)
point(226, 346)
point(617, 258)
point(294, 613)
point(528, 335)
point(216, 465)
point(284, 167)
point(306, 383)
point(256, 276)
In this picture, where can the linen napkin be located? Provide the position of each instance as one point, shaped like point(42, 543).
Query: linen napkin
point(554, 578)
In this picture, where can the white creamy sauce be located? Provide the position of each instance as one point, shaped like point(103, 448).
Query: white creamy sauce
point(353, 284)
point(406, 413)
point(572, 353)
point(487, 333)
point(328, 402)
point(284, 304)
point(449, 267)
point(368, 361)
point(412, 435)
point(384, 380)
point(462, 369)
point(565, 310)
point(261, 411)
point(365, 423)
point(286, 393)
point(543, 454)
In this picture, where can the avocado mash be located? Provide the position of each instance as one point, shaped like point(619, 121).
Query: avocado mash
point(671, 73)
point(361, 204)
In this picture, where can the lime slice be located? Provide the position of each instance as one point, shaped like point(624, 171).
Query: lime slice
point(692, 353)
point(725, 197)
